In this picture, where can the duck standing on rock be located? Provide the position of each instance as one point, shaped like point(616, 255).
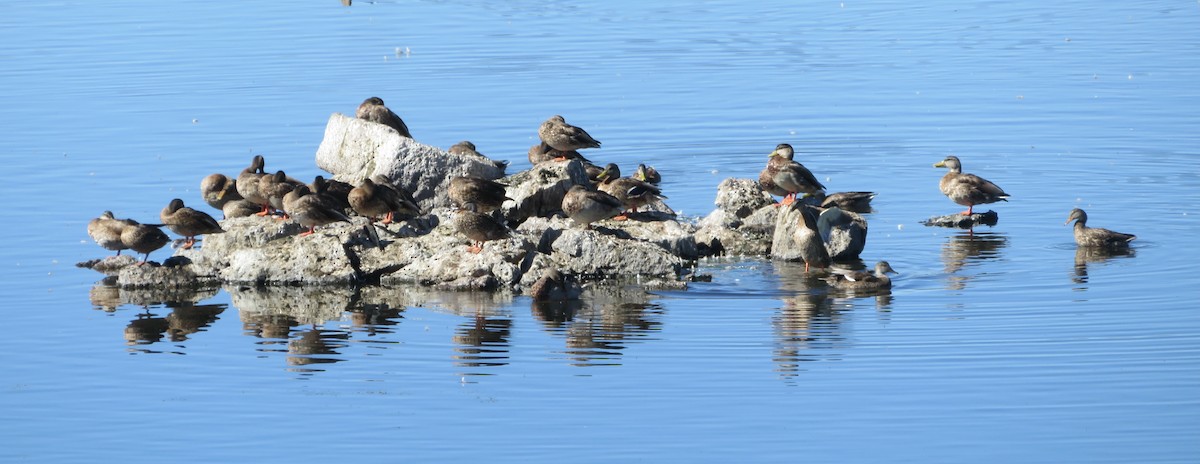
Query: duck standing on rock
point(374, 199)
point(311, 209)
point(1094, 236)
point(564, 137)
point(478, 227)
point(862, 280)
point(247, 184)
point(647, 174)
point(631, 192)
point(188, 222)
point(335, 190)
point(855, 202)
point(373, 109)
point(106, 231)
point(585, 206)
point(274, 187)
point(486, 195)
point(967, 189)
point(143, 238)
point(218, 190)
point(785, 177)
point(811, 246)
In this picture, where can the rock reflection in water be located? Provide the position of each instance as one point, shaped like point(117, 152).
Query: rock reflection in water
point(271, 313)
point(611, 316)
point(1085, 256)
point(964, 249)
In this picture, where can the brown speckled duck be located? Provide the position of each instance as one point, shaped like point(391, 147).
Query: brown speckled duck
point(478, 227)
point(862, 280)
point(585, 206)
point(811, 246)
point(466, 148)
point(218, 189)
point(632, 192)
point(1094, 236)
point(188, 222)
point(564, 137)
point(274, 187)
point(335, 190)
point(554, 286)
point(486, 195)
point(542, 153)
point(374, 199)
point(967, 189)
point(373, 109)
point(240, 208)
point(106, 231)
point(143, 238)
point(785, 177)
point(311, 209)
point(247, 184)
point(857, 202)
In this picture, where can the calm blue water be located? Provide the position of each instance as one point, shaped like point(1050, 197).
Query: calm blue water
point(995, 346)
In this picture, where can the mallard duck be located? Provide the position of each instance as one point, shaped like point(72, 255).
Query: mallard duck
point(188, 222)
point(647, 174)
point(466, 148)
point(858, 202)
point(967, 189)
point(372, 199)
point(785, 177)
point(240, 208)
point(585, 206)
point(247, 184)
point(408, 203)
point(478, 227)
point(564, 137)
point(542, 153)
point(106, 231)
point(274, 187)
point(486, 195)
point(1095, 236)
point(862, 280)
point(812, 247)
point(143, 238)
point(554, 286)
point(311, 209)
point(218, 190)
point(632, 192)
point(335, 190)
point(373, 109)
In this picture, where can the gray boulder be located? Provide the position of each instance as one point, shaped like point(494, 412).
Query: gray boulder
point(844, 233)
point(353, 150)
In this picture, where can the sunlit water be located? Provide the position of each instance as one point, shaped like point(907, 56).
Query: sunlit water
point(1003, 345)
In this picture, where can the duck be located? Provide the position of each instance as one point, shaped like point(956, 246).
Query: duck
point(240, 208)
point(631, 192)
point(486, 195)
point(862, 280)
point(373, 199)
point(274, 187)
point(554, 286)
point(336, 190)
point(1094, 236)
point(564, 137)
point(188, 222)
point(373, 109)
point(856, 202)
point(312, 209)
point(106, 231)
point(647, 174)
point(247, 184)
point(785, 177)
point(811, 246)
point(967, 189)
point(466, 148)
point(219, 189)
point(542, 153)
point(585, 206)
point(478, 227)
point(143, 238)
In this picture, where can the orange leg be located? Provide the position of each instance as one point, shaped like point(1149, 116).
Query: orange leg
point(475, 248)
point(310, 231)
point(187, 245)
point(788, 199)
point(970, 210)
point(388, 218)
point(265, 211)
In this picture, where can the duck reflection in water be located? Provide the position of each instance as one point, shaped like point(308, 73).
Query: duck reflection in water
point(1085, 256)
point(315, 346)
point(964, 250)
point(483, 342)
point(186, 317)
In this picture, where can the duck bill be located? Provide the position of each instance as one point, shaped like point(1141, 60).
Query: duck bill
point(939, 164)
